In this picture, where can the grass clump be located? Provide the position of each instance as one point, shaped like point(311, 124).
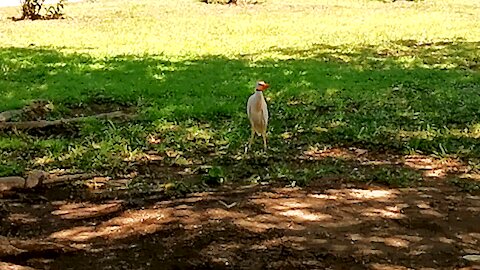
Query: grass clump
point(38, 10)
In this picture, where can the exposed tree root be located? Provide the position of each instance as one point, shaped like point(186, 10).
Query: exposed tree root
point(46, 123)
point(68, 178)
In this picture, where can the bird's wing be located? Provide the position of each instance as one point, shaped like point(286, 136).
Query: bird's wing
point(249, 105)
point(265, 112)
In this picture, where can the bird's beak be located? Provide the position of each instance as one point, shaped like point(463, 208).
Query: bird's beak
point(262, 87)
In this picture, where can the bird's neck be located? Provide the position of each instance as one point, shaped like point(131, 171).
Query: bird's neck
point(259, 92)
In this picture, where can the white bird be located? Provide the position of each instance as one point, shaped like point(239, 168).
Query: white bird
point(257, 112)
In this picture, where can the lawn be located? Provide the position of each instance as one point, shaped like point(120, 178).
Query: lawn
point(374, 110)
point(387, 77)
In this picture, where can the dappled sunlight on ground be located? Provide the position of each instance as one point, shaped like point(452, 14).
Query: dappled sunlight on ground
point(381, 195)
point(377, 266)
point(435, 167)
point(127, 224)
point(316, 153)
point(399, 241)
point(288, 209)
point(429, 166)
point(471, 176)
point(363, 224)
point(22, 218)
point(282, 209)
point(85, 210)
point(334, 208)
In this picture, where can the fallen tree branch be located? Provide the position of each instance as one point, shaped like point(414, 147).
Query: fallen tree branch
point(45, 123)
point(36, 178)
point(68, 178)
point(7, 115)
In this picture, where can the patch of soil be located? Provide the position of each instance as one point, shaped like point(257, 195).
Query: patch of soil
point(327, 225)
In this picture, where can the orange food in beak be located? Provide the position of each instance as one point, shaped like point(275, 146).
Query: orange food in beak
point(264, 87)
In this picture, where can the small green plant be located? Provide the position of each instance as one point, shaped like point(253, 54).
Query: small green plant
point(466, 185)
point(396, 177)
point(56, 11)
point(215, 176)
point(10, 168)
point(36, 10)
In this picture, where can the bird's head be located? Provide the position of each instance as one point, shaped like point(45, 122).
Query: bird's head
point(261, 86)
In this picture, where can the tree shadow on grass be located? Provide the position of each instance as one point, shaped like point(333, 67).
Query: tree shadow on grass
point(422, 99)
point(367, 92)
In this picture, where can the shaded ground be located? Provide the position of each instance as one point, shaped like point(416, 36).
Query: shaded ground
point(330, 224)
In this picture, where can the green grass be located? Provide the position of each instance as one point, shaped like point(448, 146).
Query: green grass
point(401, 77)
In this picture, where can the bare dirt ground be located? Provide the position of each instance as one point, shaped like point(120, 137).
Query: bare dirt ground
point(330, 224)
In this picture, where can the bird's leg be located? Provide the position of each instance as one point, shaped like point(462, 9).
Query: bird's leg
point(264, 135)
point(250, 141)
